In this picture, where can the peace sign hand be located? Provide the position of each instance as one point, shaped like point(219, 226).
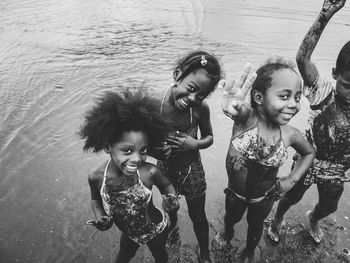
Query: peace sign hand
point(235, 92)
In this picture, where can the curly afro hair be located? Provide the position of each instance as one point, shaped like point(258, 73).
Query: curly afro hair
point(116, 113)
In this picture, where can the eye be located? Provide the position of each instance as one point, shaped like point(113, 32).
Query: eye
point(191, 88)
point(284, 97)
point(127, 151)
point(144, 151)
point(297, 99)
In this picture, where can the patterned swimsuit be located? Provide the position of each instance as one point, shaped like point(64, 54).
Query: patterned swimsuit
point(188, 180)
point(129, 209)
point(329, 133)
point(248, 155)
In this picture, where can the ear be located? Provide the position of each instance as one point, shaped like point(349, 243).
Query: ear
point(107, 149)
point(177, 73)
point(257, 97)
point(334, 73)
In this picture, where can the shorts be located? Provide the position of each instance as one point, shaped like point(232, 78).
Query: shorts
point(189, 180)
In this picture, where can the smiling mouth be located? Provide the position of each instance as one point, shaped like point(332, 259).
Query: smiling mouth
point(183, 103)
point(131, 168)
point(288, 115)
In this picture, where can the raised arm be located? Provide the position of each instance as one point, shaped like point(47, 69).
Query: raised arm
point(306, 67)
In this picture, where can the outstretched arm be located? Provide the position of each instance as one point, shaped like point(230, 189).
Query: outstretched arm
point(306, 67)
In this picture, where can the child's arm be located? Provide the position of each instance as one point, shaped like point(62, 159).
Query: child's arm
point(184, 142)
point(307, 153)
point(233, 100)
point(170, 198)
point(103, 222)
point(306, 67)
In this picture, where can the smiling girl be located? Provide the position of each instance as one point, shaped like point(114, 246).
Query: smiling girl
point(183, 108)
point(126, 126)
point(258, 147)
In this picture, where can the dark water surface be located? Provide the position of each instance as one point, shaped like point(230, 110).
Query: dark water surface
point(57, 56)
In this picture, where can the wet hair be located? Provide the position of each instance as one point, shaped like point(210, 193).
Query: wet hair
point(266, 73)
point(193, 61)
point(343, 60)
point(116, 113)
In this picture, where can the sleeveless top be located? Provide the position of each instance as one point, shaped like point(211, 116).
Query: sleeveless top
point(249, 145)
point(259, 163)
point(329, 133)
point(129, 209)
point(192, 131)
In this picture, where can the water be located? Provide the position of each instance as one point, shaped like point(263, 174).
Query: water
point(57, 56)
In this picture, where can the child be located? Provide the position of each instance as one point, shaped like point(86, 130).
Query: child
point(125, 127)
point(328, 129)
point(183, 107)
point(258, 147)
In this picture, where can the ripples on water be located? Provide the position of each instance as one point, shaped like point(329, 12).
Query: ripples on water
point(57, 56)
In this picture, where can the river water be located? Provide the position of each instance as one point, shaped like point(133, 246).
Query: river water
point(57, 56)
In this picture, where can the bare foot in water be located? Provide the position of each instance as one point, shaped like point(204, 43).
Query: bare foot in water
point(245, 256)
point(222, 238)
point(204, 259)
point(274, 230)
point(315, 230)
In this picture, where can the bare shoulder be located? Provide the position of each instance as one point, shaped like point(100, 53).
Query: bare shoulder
point(202, 110)
point(204, 106)
point(290, 134)
point(149, 171)
point(95, 176)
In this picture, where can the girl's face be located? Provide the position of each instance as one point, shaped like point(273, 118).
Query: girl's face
point(343, 85)
point(129, 152)
point(192, 90)
point(281, 101)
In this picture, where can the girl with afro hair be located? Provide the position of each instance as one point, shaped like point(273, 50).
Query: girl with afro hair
point(125, 126)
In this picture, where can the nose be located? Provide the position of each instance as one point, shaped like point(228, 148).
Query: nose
point(292, 103)
point(193, 98)
point(136, 158)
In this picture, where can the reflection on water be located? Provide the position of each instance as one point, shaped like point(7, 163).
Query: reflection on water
point(56, 56)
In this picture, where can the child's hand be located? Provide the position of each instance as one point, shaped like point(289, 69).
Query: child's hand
point(235, 92)
point(285, 184)
point(332, 6)
point(104, 224)
point(182, 142)
point(281, 186)
point(164, 151)
point(170, 203)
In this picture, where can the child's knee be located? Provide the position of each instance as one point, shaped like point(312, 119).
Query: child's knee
point(291, 198)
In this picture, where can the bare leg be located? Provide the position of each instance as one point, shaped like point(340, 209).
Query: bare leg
point(329, 195)
point(234, 208)
point(257, 213)
point(292, 197)
point(157, 247)
point(197, 214)
point(127, 249)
